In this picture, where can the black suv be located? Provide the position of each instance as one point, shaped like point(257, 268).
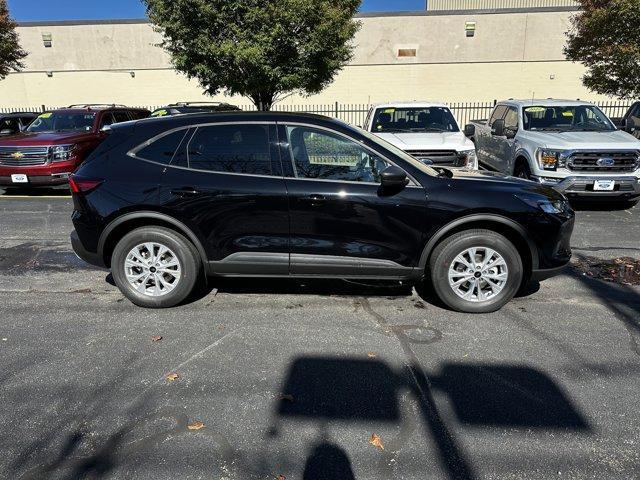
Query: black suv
point(12, 123)
point(193, 107)
point(163, 201)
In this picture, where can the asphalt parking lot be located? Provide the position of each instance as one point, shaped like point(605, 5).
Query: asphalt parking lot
point(293, 378)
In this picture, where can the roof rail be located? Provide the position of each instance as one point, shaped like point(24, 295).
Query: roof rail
point(197, 104)
point(89, 105)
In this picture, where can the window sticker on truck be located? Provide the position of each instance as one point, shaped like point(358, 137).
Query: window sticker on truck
point(45, 115)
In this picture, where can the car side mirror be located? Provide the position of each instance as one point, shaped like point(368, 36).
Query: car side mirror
point(469, 130)
point(630, 125)
point(393, 177)
point(497, 129)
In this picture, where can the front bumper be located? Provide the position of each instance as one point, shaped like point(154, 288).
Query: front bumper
point(37, 180)
point(82, 253)
point(582, 186)
point(544, 274)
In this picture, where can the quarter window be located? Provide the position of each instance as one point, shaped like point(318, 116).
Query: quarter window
point(240, 148)
point(322, 155)
point(164, 148)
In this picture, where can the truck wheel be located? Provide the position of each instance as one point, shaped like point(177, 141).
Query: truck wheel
point(476, 271)
point(522, 170)
point(155, 267)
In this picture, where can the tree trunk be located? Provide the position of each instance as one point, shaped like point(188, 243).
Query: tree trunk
point(263, 100)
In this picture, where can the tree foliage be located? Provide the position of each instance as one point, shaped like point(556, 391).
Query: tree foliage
point(257, 48)
point(605, 38)
point(11, 54)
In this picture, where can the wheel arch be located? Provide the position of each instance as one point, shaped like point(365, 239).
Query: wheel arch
point(497, 223)
point(522, 155)
point(122, 225)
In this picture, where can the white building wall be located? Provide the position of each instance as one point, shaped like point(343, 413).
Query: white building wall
point(511, 55)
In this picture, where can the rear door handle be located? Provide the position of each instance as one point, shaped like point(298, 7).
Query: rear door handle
point(314, 199)
point(185, 192)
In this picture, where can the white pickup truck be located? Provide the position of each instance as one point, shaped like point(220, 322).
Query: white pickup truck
point(425, 130)
point(569, 145)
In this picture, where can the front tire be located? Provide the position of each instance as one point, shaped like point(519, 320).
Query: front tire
point(155, 267)
point(522, 170)
point(476, 271)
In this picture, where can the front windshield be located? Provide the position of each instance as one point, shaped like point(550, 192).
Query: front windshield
point(414, 119)
point(581, 118)
point(63, 122)
point(396, 151)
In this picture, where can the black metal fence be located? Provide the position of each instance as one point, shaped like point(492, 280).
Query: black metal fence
point(355, 114)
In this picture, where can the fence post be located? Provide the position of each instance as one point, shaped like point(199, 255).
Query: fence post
point(44, 109)
point(337, 110)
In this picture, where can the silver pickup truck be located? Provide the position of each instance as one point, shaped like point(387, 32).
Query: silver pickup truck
point(569, 145)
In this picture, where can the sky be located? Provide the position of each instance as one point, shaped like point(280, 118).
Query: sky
point(35, 10)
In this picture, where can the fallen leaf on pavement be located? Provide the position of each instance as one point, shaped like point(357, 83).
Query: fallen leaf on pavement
point(372, 354)
point(281, 477)
point(157, 338)
point(376, 441)
point(173, 377)
point(196, 426)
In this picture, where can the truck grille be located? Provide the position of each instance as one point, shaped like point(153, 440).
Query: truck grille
point(614, 162)
point(23, 156)
point(439, 157)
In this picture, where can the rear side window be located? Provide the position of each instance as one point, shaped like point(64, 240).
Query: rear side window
point(240, 148)
point(163, 148)
point(121, 117)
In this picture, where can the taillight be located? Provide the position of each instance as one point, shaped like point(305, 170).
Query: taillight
point(82, 184)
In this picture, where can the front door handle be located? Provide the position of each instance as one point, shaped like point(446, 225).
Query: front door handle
point(185, 192)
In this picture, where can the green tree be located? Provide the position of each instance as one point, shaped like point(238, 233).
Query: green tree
point(257, 48)
point(10, 52)
point(605, 38)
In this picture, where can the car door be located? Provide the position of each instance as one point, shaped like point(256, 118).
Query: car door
point(485, 141)
point(225, 183)
point(343, 223)
point(507, 145)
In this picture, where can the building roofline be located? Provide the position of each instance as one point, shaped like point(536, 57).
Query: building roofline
point(64, 23)
point(427, 13)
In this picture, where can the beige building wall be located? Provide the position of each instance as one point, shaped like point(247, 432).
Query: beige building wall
point(511, 55)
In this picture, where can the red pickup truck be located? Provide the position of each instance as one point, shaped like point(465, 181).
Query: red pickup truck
point(57, 142)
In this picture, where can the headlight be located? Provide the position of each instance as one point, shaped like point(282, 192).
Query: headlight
point(469, 159)
point(62, 153)
point(552, 159)
point(547, 206)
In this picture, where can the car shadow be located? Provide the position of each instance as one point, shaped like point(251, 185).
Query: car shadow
point(58, 191)
point(582, 205)
point(337, 390)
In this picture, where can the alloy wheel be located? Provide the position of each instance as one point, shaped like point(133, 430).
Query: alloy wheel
point(478, 274)
point(152, 269)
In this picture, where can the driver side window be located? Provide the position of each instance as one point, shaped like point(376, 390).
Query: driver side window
point(511, 120)
point(321, 155)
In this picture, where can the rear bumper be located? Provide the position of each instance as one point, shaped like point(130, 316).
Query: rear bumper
point(91, 258)
point(626, 186)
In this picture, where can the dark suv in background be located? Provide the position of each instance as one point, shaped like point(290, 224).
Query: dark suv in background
point(57, 142)
point(15, 122)
point(163, 201)
point(193, 107)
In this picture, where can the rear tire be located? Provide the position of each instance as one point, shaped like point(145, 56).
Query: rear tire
point(483, 284)
point(155, 267)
